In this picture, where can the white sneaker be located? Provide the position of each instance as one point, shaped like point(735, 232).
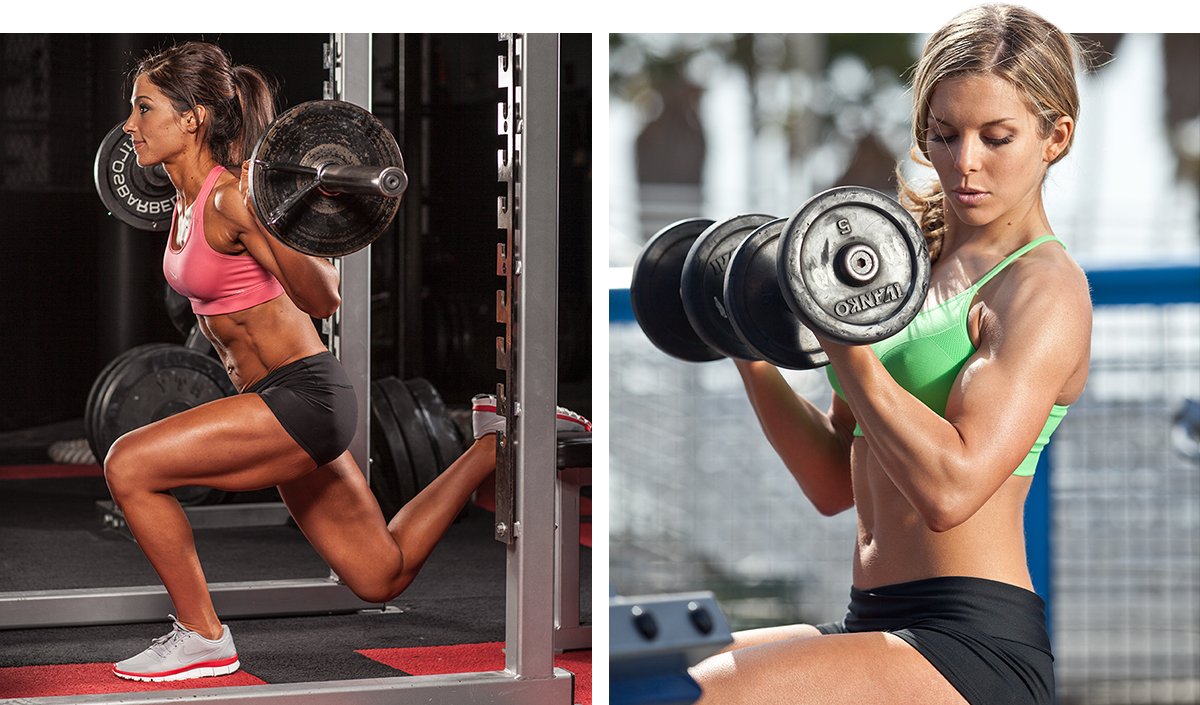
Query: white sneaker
point(180, 655)
point(485, 420)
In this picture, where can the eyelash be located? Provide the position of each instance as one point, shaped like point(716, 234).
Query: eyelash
point(992, 142)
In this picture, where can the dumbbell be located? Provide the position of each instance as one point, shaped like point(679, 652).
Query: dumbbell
point(326, 178)
point(851, 263)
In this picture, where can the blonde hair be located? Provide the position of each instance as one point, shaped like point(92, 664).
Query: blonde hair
point(1008, 41)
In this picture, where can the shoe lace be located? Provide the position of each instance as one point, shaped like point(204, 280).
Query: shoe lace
point(164, 644)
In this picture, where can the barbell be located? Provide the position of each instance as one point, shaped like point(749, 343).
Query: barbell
point(850, 263)
point(325, 178)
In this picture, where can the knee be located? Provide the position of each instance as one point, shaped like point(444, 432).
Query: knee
point(122, 469)
point(381, 585)
point(375, 591)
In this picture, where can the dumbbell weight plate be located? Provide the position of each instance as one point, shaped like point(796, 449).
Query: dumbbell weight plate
point(143, 198)
point(702, 283)
point(757, 311)
point(314, 134)
point(654, 292)
point(861, 298)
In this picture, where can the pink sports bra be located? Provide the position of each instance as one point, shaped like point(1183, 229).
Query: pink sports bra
point(216, 283)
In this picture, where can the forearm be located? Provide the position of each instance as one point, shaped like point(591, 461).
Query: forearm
point(921, 452)
point(813, 450)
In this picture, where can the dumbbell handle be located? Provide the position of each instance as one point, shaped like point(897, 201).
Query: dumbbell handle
point(387, 181)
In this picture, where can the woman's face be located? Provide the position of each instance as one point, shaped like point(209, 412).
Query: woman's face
point(986, 148)
point(158, 131)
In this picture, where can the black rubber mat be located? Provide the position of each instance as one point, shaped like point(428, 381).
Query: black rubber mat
point(458, 597)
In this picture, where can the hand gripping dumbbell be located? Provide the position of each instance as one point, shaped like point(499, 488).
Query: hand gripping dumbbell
point(851, 263)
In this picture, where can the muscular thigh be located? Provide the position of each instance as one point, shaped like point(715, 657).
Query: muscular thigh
point(768, 635)
point(232, 444)
point(870, 668)
point(335, 509)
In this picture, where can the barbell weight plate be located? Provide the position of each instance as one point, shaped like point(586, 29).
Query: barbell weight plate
point(99, 393)
point(422, 466)
point(702, 283)
point(654, 292)
point(416, 433)
point(314, 134)
point(152, 384)
point(854, 265)
point(446, 444)
point(389, 456)
point(757, 311)
point(140, 197)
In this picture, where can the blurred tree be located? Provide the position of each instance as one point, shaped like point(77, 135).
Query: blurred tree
point(836, 82)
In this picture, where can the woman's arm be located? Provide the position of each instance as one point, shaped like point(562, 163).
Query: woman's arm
point(814, 446)
point(1034, 339)
point(311, 282)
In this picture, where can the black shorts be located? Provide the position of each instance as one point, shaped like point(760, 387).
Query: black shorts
point(987, 638)
point(315, 402)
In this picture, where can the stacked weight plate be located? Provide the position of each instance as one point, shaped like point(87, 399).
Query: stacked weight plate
point(413, 440)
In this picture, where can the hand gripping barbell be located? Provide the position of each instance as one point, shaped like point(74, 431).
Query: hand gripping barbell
point(850, 263)
point(326, 178)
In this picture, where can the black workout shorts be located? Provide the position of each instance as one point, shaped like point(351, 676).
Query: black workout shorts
point(315, 402)
point(987, 638)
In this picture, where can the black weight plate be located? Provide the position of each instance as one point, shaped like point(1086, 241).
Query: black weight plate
point(654, 292)
point(96, 394)
point(179, 310)
point(104, 398)
point(89, 406)
point(447, 445)
point(153, 384)
point(702, 282)
point(416, 435)
point(143, 198)
point(410, 429)
point(403, 478)
point(386, 446)
point(314, 134)
point(817, 236)
point(756, 307)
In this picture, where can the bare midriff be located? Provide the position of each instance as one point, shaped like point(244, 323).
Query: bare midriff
point(894, 544)
point(262, 338)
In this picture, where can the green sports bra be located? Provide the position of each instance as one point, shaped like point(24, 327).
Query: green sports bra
point(926, 356)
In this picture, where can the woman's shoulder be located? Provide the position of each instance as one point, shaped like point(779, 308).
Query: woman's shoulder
point(227, 198)
point(1045, 283)
point(1049, 268)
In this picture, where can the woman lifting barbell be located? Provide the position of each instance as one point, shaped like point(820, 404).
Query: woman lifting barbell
point(933, 434)
point(296, 414)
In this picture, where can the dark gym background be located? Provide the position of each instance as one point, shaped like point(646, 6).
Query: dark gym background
point(77, 287)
